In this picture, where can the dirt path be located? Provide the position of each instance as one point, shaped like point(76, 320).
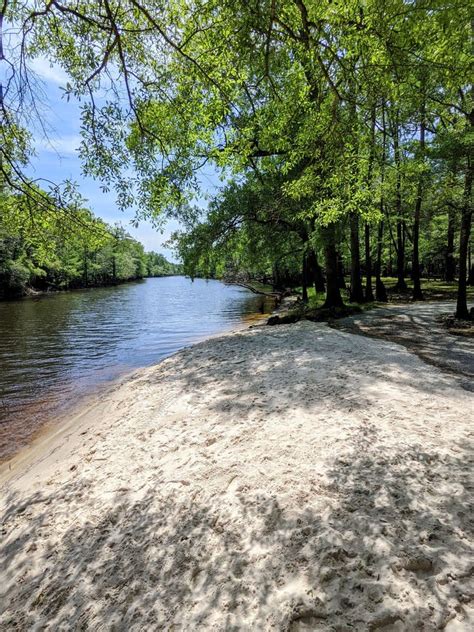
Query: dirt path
point(289, 478)
point(417, 327)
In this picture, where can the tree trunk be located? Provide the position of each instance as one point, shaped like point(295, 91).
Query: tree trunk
point(356, 294)
point(319, 284)
point(380, 291)
point(466, 218)
point(305, 278)
point(470, 267)
point(450, 263)
point(369, 295)
point(401, 285)
point(315, 272)
point(2, 57)
point(416, 274)
point(390, 258)
point(340, 272)
point(333, 294)
point(417, 293)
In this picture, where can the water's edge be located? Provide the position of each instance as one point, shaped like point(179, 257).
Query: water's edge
point(70, 420)
point(164, 328)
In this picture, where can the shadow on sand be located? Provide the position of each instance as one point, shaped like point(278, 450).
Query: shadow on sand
point(389, 551)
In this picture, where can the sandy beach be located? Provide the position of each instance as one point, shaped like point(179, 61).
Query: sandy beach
point(279, 478)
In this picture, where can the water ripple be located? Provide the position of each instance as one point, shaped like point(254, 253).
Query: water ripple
point(58, 347)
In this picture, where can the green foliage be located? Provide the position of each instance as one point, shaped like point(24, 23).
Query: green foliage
point(245, 231)
point(53, 251)
point(157, 266)
point(312, 111)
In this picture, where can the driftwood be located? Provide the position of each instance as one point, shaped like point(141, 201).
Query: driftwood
point(277, 295)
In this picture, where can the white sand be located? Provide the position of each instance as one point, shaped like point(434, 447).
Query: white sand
point(287, 478)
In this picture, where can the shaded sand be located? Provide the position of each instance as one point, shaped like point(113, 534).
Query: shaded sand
point(285, 478)
point(418, 327)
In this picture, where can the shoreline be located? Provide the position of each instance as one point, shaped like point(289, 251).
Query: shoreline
point(81, 416)
point(67, 419)
point(258, 479)
point(31, 412)
point(35, 294)
point(54, 428)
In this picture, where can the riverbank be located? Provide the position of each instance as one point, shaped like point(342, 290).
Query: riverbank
point(288, 478)
point(57, 350)
point(34, 293)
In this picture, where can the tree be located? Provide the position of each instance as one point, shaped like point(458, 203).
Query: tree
point(52, 251)
point(260, 88)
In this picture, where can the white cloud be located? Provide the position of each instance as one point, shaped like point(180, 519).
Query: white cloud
point(64, 146)
point(48, 72)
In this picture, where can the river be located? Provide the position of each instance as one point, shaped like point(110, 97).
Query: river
point(56, 348)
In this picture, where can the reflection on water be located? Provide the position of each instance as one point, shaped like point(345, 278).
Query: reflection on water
point(58, 347)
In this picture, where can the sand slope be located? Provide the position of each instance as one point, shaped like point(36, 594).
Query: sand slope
point(287, 478)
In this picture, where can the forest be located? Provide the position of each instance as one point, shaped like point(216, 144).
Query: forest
point(342, 131)
point(61, 251)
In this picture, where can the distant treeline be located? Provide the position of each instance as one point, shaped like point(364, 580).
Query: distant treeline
point(67, 249)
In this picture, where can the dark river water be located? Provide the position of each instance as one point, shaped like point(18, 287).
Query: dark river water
point(57, 348)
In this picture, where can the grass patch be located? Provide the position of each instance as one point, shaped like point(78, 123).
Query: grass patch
point(316, 299)
point(315, 311)
point(432, 288)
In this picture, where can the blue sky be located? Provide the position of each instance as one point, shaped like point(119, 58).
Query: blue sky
point(57, 160)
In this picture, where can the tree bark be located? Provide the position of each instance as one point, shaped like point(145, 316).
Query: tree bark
point(401, 285)
point(356, 294)
point(340, 272)
point(466, 218)
point(315, 271)
point(369, 295)
point(416, 275)
point(470, 267)
point(450, 263)
point(2, 57)
point(380, 291)
point(333, 294)
point(305, 278)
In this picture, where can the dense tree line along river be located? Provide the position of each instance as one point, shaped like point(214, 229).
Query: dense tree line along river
point(57, 348)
